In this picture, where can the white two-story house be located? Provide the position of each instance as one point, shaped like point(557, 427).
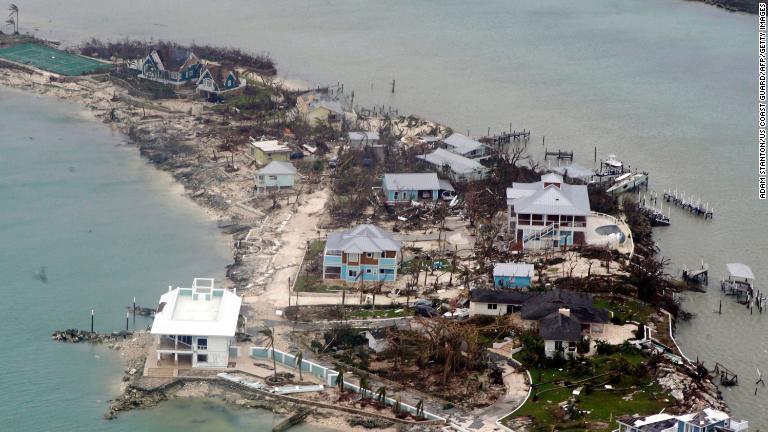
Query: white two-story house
point(194, 327)
point(547, 213)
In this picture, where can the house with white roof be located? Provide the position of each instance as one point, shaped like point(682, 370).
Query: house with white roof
point(365, 252)
point(455, 166)
point(547, 213)
point(512, 275)
point(407, 187)
point(266, 151)
point(363, 139)
point(465, 146)
point(194, 327)
point(706, 420)
point(276, 175)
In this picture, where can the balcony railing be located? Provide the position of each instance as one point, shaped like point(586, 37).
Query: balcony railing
point(168, 344)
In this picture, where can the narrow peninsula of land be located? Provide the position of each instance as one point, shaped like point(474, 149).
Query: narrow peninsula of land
point(388, 273)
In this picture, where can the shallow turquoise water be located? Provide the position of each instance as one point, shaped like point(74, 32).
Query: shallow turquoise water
point(107, 227)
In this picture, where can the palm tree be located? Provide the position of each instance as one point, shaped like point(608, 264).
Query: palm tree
point(364, 385)
point(340, 380)
point(381, 394)
point(14, 22)
point(270, 334)
point(299, 363)
point(11, 22)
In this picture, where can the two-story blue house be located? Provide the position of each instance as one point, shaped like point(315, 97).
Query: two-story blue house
point(707, 420)
point(512, 275)
point(407, 187)
point(366, 253)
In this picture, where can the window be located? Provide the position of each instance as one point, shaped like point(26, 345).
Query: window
point(493, 306)
point(202, 343)
point(369, 254)
point(202, 358)
point(559, 345)
point(353, 257)
point(185, 340)
point(273, 177)
point(386, 271)
point(367, 270)
point(352, 273)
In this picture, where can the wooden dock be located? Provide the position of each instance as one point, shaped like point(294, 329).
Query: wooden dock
point(506, 138)
point(727, 377)
point(558, 155)
point(693, 205)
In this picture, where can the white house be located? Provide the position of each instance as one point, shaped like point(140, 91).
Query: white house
point(457, 167)
point(377, 339)
point(547, 213)
point(465, 146)
point(194, 327)
point(363, 139)
point(276, 175)
point(496, 302)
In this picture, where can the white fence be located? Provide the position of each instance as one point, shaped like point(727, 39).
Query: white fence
point(330, 377)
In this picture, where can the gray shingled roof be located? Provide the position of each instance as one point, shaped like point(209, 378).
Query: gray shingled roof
point(411, 181)
point(506, 296)
point(580, 306)
point(277, 168)
point(557, 326)
point(362, 238)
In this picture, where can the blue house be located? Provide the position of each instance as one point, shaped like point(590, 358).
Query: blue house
point(366, 253)
point(216, 79)
point(512, 275)
point(404, 188)
point(276, 175)
point(171, 65)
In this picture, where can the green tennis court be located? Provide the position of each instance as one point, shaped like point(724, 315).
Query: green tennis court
point(52, 60)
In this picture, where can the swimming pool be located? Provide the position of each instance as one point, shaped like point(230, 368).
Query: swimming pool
point(606, 230)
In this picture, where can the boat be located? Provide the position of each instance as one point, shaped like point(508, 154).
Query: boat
point(627, 182)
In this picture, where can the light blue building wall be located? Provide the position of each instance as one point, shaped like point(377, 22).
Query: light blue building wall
point(277, 180)
point(511, 281)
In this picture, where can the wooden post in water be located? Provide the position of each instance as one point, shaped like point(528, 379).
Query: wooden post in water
point(127, 315)
point(595, 153)
point(393, 86)
point(91, 320)
point(720, 308)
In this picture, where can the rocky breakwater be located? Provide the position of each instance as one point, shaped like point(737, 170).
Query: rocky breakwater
point(77, 336)
point(693, 391)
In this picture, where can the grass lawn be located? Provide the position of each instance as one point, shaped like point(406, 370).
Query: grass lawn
point(313, 283)
point(629, 395)
point(626, 310)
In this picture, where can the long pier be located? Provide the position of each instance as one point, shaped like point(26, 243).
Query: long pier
point(689, 203)
point(506, 137)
